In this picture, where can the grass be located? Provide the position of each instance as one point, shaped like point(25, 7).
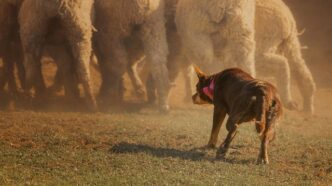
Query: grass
point(39, 148)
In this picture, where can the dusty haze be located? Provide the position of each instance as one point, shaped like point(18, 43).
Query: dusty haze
point(315, 17)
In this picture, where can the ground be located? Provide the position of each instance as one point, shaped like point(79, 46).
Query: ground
point(137, 147)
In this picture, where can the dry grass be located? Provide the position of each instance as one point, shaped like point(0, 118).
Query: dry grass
point(146, 148)
point(143, 147)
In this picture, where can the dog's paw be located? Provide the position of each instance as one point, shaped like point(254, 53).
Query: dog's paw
point(206, 147)
point(221, 157)
point(210, 146)
point(292, 105)
point(221, 154)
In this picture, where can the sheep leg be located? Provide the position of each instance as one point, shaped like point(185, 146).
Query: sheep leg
point(79, 33)
point(151, 89)
point(188, 75)
point(301, 73)
point(58, 81)
point(10, 65)
point(156, 50)
point(200, 51)
point(10, 78)
point(240, 40)
point(20, 67)
point(136, 80)
point(66, 74)
point(277, 66)
point(33, 30)
point(113, 64)
point(3, 78)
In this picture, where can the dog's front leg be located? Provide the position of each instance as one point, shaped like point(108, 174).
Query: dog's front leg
point(219, 114)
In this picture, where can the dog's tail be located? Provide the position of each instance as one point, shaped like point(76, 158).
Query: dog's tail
point(268, 111)
point(260, 122)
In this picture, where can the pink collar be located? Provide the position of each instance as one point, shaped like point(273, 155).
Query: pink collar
point(209, 91)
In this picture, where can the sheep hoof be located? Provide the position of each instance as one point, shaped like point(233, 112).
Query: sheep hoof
point(164, 109)
point(140, 92)
point(308, 108)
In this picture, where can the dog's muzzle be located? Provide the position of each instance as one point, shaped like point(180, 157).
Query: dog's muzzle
point(197, 100)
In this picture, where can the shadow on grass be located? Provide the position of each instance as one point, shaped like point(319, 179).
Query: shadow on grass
point(124, 148)
point(196, 154)
point(239, 161)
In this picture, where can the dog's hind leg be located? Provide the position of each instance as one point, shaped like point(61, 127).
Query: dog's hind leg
point(218, 118)
point(269, 133)
point(232, 130)
point(263, 156)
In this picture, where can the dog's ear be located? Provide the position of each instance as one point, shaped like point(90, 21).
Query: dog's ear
point(199, 72)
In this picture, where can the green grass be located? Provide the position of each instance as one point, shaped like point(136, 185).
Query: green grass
point(150, 149)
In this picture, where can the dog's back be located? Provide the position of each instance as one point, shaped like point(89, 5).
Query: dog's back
point(249, 98)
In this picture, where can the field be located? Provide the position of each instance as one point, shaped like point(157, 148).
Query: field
point(142, 147)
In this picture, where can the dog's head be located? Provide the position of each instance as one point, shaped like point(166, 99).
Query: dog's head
point(204, 88)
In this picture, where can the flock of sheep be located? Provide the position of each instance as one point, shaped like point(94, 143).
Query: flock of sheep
point(259, 36)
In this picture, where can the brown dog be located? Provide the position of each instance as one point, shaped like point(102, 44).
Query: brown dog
point(244, 99)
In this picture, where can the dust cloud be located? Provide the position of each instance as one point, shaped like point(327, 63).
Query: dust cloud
point(314, 17)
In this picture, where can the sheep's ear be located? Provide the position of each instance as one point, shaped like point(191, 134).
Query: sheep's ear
point(216, 10)
point(199, 72)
